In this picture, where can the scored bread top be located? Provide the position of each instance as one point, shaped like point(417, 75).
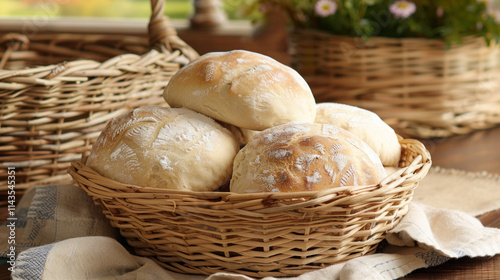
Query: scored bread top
point(173, 148)
point(242, 88)
point(304, 157)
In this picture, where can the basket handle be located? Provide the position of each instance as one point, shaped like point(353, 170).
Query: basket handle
point(163, 36)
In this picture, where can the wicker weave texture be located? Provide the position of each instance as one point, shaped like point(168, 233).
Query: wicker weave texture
point(261, 234)
point(421, 87)
point(57, 91)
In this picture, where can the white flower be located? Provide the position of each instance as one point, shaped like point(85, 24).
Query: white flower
point(325, 8)
point(488, 3)
point(402, 9)
point(495, 15)
point(490, 9)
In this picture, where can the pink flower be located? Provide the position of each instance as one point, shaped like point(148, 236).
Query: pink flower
point(325, 8)
point(402, 9)
point(439, 12)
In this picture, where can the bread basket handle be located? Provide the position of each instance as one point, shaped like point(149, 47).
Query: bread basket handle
point(162, 35)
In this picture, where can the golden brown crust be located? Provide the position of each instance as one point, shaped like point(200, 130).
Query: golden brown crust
point(242, 88)
point(304, 157)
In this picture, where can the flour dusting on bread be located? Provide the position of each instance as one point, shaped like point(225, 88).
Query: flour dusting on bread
point(173, 148)
point(304, 157)
point(242, 88)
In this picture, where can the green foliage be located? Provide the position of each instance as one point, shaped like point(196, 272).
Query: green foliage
point(450, 20)
point(92, 8)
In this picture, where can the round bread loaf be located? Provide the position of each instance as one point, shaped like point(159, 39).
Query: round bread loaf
point(242, 88)
point(172, 148)
point(366, 125)
point(304, 157)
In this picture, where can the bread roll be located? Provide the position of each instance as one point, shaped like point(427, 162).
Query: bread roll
point(172, 148)
point(304, 157)
point(242, 88)
point(366, 125)
point(242, 135)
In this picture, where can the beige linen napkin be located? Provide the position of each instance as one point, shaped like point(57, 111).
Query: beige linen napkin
point(95, 257)
point(475, 193)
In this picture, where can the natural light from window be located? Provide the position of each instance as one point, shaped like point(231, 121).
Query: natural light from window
point(176, 9)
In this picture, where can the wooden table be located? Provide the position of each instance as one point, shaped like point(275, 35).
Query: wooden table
point(479, 151)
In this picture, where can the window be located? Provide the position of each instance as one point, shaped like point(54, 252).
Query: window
point(92, 8)
point(176, 9)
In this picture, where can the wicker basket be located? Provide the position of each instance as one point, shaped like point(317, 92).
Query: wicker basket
point(420, 87)
point(57, 91)
point(261, 234)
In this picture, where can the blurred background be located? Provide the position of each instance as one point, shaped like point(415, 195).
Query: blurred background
point(105, 8)
point(177, 9)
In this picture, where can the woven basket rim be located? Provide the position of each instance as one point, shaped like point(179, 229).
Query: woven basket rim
point(395, 40)
point(418, 166)
point(161, 34)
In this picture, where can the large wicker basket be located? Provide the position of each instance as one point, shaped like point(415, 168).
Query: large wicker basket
point(57, 91)
point(421, 87)
point(261, 234)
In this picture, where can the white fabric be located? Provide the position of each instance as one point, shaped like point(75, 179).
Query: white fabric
point(100, 258)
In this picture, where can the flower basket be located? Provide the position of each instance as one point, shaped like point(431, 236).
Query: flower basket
point(421, 87)
point(260, 234)
point(57, 91)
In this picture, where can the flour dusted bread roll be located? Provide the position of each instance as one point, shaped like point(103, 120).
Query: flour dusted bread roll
point(304, 157)
point(366, 125)
point(242, 135)
point(246, 89)
point(173, 148)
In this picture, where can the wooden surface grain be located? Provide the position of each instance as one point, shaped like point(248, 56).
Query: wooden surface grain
point(479, 151)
